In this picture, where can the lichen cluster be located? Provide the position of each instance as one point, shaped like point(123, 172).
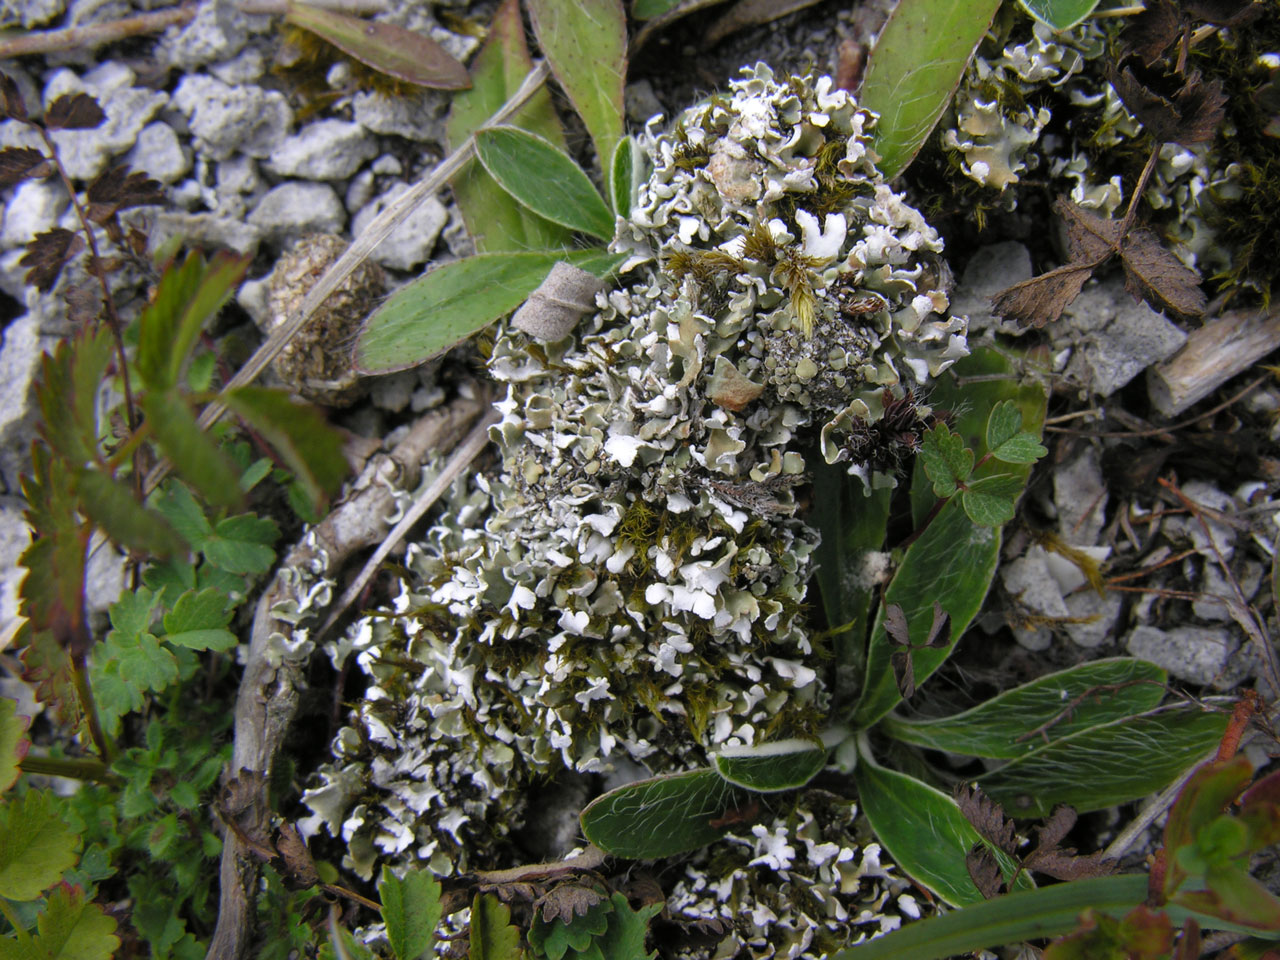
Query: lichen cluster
point(631, 587)
point(1041, 107)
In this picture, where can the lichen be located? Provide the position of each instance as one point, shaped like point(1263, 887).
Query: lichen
point(631, 586)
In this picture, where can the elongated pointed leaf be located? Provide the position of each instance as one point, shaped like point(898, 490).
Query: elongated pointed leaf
point(187, 297)
point(914, 70)
point(411, 910)
point(624, 175)
point(110, 504)
point(1046, 710)
point(544, 179)
point(436, 312)
point(663, 816)
point(1059, 14)
point(853, 525)
point(585, 41)
point(1105, 765)
point(922, 829)
point(387, 48)
point(311, 448)
point(68, 394)
point(952, 563)
point(770, 767)
point(493, 217)
point(53, 589)
point(192, 452)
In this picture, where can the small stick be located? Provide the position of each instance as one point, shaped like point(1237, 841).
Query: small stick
point(95, 35)
point(466, 451)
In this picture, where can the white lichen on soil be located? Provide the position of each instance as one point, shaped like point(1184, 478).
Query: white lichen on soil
point(632, 584)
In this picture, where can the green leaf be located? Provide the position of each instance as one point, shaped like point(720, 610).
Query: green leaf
point(1059, 14)
point(133, 613)
point(1045, 710)
point(1237, 898)
point(544, 179)
point(952, 562)
point(648, 9)
point(187, 297)
point(193, 452)
point(1024, 448)
point(494, 219)
point(624, 175)
point(142, 663)
point(36, 845)
point(242, 544)
point(436, 312)
point(625, 937)
point(1003, 424)
point(53, 590)
point(771, 767)
point(989, 502)
point(411, 911)
point(663, 816)
point(198, 621)
point(922, 829)
point(853, 524)
point(184, 514)
point(914, 69)
point(1105, 765)
point(400, 53)
point(13, 742)
point(946, 459)
point(311, 448)
point(73, 928)
point(111, 506)
point(585, 42)
point(492, 935)
point(70, 379)
point(555, 939)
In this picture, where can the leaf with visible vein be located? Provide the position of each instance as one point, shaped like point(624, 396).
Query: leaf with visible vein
point(300, 434)
point(585, 42)
point(625, 937)
point(990, 501)
point(543, 178)
point(917, 63)
point(19, 163)
point(411, 910)
point(494, 219)
point(193, 453)
point(47, 253)
point(1059, 14)
point(400, 53)
point(1153, 273)
point(492, 935)
point(72, 927)
point(1042, 299)
point(242, 544)
point(436, 312)
point(74, 111)
point(1191, 114)
point(198, 621)
point(36, 845)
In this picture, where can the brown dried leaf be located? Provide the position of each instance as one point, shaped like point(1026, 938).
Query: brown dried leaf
point(1090, 238)
point(987, 818)
point(895, 624)
point(1063, 863)
point(19, 163)
point(84, 303)
point(1154, 274)
point(569, 900)
point(296, 856)
point(1226, 13)
point(1042, 299)
point(1149, 34)
point(74, 111)
point(11, 103)
point(984, 870)
point(118, 189)
point(1056, 826)
point(939, 636)
point(904, 672)
point(1191, 114)
point(47, 254)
